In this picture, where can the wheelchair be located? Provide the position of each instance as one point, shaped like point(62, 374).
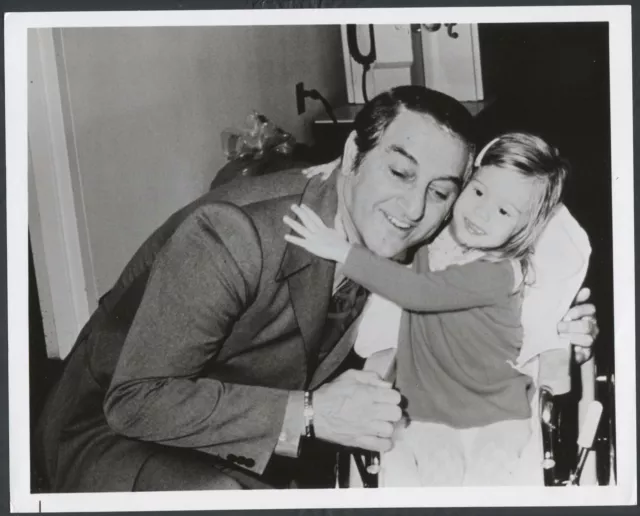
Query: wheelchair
point(576, 429)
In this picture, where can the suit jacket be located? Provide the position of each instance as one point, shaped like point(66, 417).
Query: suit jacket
point(211, 324)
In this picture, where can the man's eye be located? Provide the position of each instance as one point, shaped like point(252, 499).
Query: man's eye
point(441, 195)
point(397, 173)
point(477, 192)
point(503, 212)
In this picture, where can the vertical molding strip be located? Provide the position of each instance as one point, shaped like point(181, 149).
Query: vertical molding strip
point(53, 223)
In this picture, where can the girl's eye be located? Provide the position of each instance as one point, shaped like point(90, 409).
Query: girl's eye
point(396, 173)
point(502, 212)
point(477, 192)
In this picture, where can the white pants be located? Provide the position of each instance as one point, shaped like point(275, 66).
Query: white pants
point(431, 454)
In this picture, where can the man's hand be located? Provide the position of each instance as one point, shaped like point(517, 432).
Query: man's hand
point(580, 326)
point(358, 409)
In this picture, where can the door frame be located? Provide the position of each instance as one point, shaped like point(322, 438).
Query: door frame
point(57, 219)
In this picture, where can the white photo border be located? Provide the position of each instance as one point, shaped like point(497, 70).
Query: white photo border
point(624, 493)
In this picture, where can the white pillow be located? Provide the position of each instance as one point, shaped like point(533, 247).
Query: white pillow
point(560, 265)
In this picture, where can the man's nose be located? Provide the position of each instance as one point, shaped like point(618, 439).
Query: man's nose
point(414, 205)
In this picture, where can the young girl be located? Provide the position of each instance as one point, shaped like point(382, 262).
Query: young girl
point(469, 407)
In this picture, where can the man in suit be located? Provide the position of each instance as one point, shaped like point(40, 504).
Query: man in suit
point(217, 351)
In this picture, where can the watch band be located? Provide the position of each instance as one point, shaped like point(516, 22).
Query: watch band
point(308, 414)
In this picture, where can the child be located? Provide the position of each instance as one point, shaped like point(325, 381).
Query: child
point(469, 407)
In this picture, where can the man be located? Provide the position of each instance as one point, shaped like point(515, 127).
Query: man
point(195, 371)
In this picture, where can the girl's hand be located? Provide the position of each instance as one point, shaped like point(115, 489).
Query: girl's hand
point(315, 237)
point(324, 171)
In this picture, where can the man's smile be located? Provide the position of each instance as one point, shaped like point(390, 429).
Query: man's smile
point(473, 228)
point(397, 223)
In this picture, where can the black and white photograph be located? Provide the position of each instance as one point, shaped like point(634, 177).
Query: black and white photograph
point(335, 257)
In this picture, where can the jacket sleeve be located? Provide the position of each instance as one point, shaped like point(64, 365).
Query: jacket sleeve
point(459, 287)
point(200, 284)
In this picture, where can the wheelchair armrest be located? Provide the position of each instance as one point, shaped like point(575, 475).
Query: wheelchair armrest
point(552, 403)
point(549, 419)
point(588, 394)
point(554, 379)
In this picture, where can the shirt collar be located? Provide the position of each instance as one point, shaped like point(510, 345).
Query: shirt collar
point(343, 221)
point(445, 251)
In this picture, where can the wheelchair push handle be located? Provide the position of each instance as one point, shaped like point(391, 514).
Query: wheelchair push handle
point(585, 439)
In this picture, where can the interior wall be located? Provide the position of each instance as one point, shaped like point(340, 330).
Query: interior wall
point(147, 107)
point(553, 79)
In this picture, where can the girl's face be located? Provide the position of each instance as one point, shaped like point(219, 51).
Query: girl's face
point(492, 207)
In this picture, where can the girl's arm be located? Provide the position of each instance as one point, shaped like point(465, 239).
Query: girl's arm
point(458, 287)
point(475, 284)
point(315, 237)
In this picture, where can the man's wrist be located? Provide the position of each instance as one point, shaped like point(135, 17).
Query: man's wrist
point(308, 413)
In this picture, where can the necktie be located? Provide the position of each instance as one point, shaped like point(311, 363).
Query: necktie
point(318, 458)
point(345, 306)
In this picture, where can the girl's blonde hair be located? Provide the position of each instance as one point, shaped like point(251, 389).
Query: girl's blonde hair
point(532, 157)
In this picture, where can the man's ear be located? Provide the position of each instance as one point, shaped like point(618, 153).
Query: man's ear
point(349, 154)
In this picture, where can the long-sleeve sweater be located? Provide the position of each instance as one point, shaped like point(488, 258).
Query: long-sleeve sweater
point(459, 335)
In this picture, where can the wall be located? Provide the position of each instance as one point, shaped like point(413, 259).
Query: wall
point(557, 85)
point(147, 106)
point(553, 79)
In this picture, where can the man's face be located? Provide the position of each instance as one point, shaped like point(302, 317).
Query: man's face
point(406, 185)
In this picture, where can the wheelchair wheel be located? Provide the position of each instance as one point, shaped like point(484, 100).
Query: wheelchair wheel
point(605, 445)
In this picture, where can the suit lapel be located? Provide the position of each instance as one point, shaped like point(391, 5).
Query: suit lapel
point(336, 356)
point(310, 278)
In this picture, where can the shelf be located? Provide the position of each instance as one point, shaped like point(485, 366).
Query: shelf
point(347, 113)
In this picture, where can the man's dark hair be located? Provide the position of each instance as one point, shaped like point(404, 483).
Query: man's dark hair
point(379, 112)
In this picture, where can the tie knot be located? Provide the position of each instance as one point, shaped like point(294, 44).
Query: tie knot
point(346, 297)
